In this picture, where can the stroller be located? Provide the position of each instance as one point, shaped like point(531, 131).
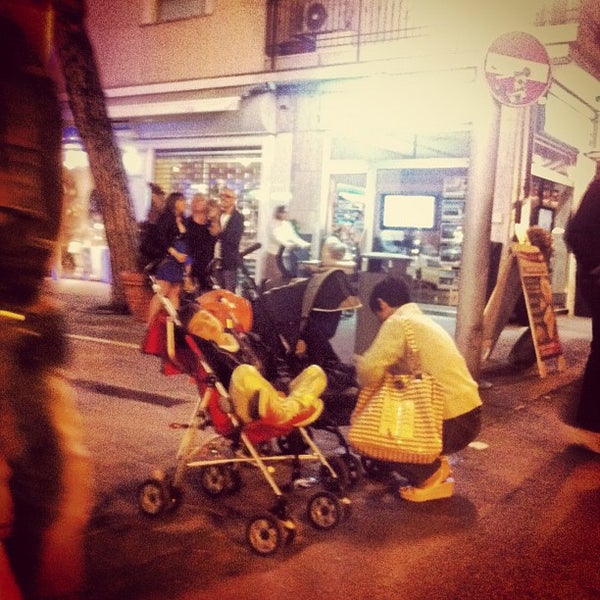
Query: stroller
point(296, 318)
point(210, 361)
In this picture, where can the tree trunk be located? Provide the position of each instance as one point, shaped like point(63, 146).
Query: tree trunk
point(88, 105)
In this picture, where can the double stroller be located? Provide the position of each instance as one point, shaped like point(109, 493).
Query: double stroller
point(223, 341)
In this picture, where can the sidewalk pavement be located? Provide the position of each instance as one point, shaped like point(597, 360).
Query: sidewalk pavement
point(518, 526)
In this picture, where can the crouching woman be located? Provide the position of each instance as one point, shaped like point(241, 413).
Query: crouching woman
point(390, 353)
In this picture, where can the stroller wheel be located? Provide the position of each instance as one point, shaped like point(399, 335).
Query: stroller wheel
point(324, 510)
point(265, 534)
point(217, 480)
point(156, 497)
point(342, 481)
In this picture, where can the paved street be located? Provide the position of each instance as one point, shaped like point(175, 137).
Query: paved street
point(524, 521)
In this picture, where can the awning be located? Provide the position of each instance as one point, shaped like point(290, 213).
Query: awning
point(173, 107)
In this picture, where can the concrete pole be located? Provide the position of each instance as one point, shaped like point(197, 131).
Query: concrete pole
point(478, 219)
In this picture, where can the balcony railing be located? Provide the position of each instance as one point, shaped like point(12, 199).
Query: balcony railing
point(298, 26)
point(301, 26)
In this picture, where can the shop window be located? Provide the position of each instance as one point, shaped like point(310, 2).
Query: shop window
point(83, 246)
point(419, 214)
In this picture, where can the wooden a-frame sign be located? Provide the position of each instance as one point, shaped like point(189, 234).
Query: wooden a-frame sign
point(524, 270)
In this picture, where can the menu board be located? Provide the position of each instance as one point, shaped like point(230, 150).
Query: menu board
point(525, 271)
point(537, 290)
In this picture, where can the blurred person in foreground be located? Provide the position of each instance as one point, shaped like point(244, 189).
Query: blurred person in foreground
point(582, 238)
point(45, 477)
point(439, 356)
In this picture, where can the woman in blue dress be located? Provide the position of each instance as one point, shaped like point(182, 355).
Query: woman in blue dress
point(171, 231)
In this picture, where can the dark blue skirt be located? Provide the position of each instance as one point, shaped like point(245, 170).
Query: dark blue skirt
point(170, 269)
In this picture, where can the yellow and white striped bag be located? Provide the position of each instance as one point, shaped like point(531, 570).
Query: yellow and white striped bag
point(400, 420)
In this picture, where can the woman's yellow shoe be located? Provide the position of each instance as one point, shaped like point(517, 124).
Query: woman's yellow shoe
point(439, 485)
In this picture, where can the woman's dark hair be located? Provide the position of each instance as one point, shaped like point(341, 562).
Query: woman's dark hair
point(171, 200)
point(392, 290)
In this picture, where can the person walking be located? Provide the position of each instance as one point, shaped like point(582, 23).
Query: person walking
point(281, 233)
point(581, 237)
point(390, 302)
point(229, 238)
point(171, 231)
point(202, 232)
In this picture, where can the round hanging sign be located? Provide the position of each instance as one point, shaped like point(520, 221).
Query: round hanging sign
point(517, 69)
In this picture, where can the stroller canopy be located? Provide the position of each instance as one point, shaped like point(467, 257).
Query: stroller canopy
point(329, 291)
point(290, 307)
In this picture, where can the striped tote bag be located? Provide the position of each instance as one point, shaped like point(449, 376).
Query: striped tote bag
point(401, 419)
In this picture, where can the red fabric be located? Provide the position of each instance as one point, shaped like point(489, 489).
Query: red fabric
point(155, 344)
point(155, 341)
point(221, 422)
point(258, 431)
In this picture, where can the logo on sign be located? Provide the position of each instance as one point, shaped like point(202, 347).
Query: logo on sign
point(517, 69)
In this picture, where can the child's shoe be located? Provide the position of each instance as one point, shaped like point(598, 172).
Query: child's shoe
point(312, 381)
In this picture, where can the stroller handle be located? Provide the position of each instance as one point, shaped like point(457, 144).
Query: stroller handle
point(215, 262)
point(151, 267)
point(250, 249)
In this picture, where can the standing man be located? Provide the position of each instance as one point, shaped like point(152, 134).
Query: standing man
point(228, 243)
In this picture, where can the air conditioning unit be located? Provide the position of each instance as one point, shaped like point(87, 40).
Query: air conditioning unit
point(328, 16)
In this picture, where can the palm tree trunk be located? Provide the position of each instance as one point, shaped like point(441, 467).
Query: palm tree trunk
point(88, 106)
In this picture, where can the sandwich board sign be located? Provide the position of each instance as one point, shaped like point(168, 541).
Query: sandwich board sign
point(525, 271)
point(517, 69)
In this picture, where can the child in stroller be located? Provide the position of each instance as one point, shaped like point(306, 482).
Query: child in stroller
point(210, 340)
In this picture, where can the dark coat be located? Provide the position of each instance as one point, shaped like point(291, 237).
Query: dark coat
point(151, 246)
point(230, 238)
point(583, 230)
point(167, 230)
point(201, 245)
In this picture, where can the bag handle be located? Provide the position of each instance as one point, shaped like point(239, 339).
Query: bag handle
point(414, 359)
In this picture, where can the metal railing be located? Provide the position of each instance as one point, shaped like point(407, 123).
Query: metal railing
point(301, 26)
point(298, 26)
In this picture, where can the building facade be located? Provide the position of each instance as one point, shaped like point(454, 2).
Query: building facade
point(362, 115)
